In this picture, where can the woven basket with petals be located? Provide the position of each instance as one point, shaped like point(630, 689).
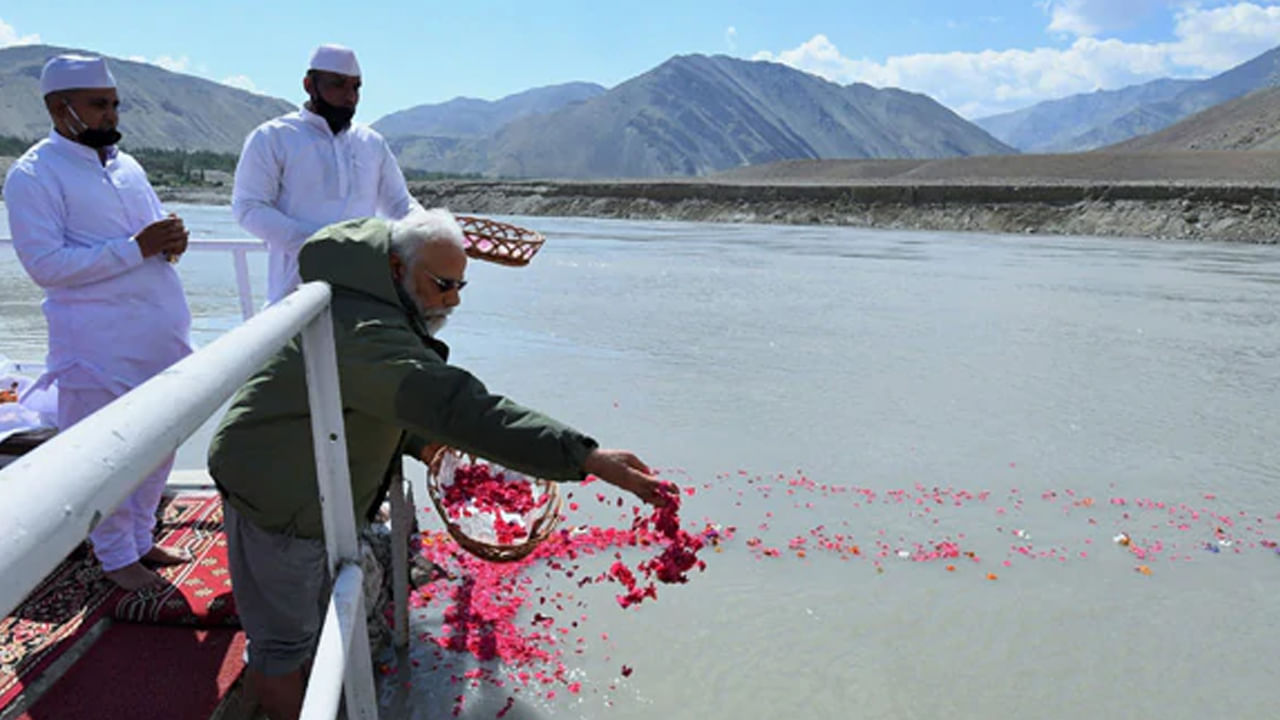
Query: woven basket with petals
point(474, 536)
point(499, 242)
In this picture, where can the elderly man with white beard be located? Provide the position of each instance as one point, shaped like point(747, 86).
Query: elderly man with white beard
point(393, 284)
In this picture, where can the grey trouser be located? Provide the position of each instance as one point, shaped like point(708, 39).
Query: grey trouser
point(281, 585)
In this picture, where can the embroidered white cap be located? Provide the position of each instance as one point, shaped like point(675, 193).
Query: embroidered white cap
point(74, 72)
point(335, 59)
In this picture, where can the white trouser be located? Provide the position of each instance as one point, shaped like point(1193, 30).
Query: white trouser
point(124, 536)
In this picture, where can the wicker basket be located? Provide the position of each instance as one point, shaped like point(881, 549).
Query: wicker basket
point(541, 523)
point(499, 242)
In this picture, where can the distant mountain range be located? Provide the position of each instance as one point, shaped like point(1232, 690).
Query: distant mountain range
point(1094, 120)
point(159, 109)
point(1055, 124)
point(471, 118)
point(695, 115)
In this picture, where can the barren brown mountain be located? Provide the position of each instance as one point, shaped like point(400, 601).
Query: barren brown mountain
point(695, 114)
point(1248, 123)
point(162, 109)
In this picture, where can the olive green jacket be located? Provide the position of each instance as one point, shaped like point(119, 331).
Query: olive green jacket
point(395, 384)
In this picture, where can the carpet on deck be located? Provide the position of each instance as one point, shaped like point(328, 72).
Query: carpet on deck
point(75, 597)
point(147, 672)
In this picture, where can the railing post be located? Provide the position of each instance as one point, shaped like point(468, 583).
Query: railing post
point(400, 514)
point(343, 623)
point(334, 480)
point(242, 282)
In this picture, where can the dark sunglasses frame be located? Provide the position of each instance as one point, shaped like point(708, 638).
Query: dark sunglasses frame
point(445, 285)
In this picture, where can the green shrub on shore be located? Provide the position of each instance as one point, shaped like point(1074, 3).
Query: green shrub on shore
point(186, 168)
point(199, 168)
point(413, 175)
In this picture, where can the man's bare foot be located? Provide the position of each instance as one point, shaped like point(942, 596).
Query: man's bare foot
point(158, 555)
point(134, 577)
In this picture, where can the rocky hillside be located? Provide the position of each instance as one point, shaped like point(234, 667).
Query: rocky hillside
point(472, 118)
point(695, 115)
point(1248, 123)
point(159, 109)
point(1055, 124)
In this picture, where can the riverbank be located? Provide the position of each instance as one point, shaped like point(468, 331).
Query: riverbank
point(195, 195)
point(1232, 197)
point(1217, 212)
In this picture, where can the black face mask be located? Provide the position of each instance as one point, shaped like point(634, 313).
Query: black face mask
point(93, 137)
point(98, 139)
point(339, 118)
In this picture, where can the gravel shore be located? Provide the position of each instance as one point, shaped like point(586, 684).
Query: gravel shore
point(1218, 212)
point(1211, 196)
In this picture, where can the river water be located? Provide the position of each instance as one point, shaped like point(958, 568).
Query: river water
point(1023, 399)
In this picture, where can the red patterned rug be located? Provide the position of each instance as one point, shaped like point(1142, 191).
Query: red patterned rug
point(75, 596)
point(199, 592)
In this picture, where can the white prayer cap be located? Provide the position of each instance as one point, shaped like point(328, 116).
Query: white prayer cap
point(335, 59)
point(73, 72)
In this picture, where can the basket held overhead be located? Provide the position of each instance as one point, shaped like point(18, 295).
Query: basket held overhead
point(499, 242)
point(541, 525)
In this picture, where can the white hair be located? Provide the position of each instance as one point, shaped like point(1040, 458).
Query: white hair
point(422, 228)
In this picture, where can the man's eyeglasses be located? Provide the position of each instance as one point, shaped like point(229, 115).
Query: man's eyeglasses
point(445, 285)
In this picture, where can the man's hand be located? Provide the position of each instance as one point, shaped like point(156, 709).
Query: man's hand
point(431, 456)
point(624, 470)
point(173, 253)
point(168, 236)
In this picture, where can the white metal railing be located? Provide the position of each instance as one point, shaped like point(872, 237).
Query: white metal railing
point(239, 249)
point(48, 505)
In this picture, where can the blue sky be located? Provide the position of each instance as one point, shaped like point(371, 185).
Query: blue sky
point(978, 57)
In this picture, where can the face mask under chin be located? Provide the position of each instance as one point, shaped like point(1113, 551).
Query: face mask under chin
point(98, 139)
point(338, 118)
point(93, 137)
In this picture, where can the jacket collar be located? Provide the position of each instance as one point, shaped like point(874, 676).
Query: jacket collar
point(353, 257)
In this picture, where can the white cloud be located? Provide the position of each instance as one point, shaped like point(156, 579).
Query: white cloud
point(1088, 18)
point(974, 84)
point(731, 37)
point(1219, 38)
point(9, 36)
point(172, 64)
point(183, 65)
point(244, 82)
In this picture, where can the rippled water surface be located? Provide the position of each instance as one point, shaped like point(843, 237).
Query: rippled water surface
point(1005, 394)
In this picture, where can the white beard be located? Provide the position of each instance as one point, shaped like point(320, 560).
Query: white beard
point(436, 320)
point(433, 318)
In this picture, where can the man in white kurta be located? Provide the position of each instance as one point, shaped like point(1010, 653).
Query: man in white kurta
point(89, 229)
point(303, 171)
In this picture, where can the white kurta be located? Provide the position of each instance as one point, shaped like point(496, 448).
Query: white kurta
point(115, 319)
point(295, 176)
